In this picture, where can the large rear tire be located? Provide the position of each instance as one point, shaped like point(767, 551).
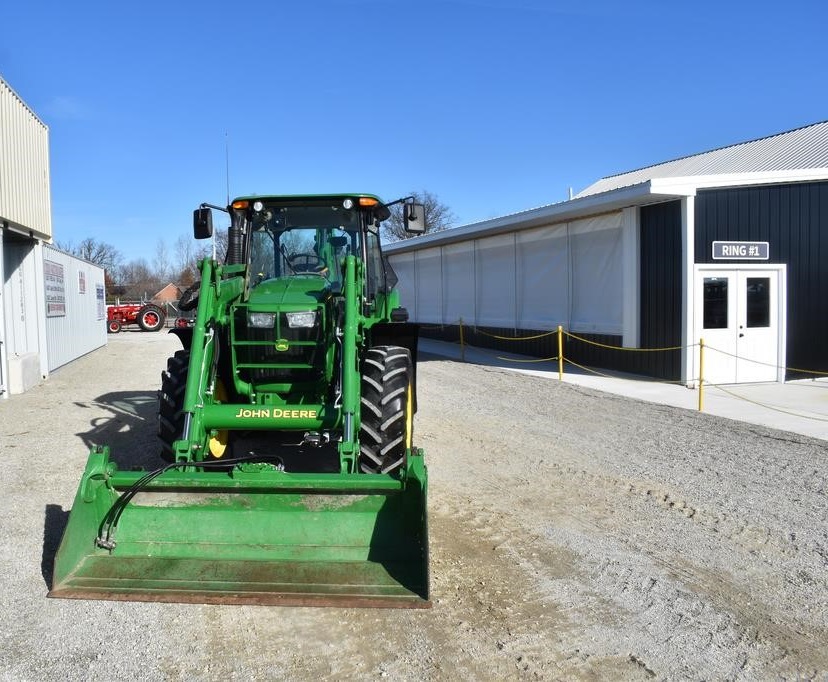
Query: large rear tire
point(171, 402)
point(151, 318)
point(385, 428)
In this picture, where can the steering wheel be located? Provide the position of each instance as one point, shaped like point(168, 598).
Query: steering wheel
point(308, 263)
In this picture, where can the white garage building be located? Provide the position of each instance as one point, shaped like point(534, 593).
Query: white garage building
point(52, 305)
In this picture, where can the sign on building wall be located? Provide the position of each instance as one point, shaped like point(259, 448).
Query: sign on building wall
point(55, 286)
point(741, 251)
point(99, 294)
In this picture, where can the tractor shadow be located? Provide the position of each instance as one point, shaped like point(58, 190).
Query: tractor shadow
point(126, 421)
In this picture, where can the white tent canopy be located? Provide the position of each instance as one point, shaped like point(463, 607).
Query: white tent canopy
point(569, 273)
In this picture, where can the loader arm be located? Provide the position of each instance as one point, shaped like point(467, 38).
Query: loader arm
point(215, 295)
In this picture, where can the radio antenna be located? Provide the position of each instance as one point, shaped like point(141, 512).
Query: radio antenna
point(227, 164)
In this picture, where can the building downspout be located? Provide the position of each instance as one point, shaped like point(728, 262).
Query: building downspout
point(40, 297)
point(688, 251)
point(4, 362)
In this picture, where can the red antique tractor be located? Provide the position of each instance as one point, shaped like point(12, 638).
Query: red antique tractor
point(148, 316)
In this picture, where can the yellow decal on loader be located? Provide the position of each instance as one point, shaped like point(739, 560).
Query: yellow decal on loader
point(275, 413)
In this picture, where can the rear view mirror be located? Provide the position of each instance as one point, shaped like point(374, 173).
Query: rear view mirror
point(414, 218)
point(202, 223)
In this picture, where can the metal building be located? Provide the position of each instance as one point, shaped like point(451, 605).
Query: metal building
point(729, 246)
point(49, 301)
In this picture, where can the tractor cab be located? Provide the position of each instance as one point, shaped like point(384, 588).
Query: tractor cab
point(287, 236)
point(290, 241)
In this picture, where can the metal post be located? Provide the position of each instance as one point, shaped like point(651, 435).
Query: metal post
point(560, 353)
point(462, 343)
point(701, 375)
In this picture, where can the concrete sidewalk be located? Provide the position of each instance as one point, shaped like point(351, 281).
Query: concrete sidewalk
point(796, 406)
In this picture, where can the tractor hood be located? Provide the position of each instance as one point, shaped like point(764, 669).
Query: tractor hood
point(299, 291)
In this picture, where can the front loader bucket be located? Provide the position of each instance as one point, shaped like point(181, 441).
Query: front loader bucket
point(248, 537)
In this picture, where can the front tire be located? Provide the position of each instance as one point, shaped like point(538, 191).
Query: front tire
point(171, 402)
point(113, 326)
point(385, 428)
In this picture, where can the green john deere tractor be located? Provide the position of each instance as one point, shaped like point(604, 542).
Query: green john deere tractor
point(286, 426)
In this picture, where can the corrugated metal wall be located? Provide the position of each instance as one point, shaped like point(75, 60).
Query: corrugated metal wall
point(75, 306)
point(661, 290)
point(25, 198)
point(793, 219)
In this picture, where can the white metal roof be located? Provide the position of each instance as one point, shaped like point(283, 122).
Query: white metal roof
point(799, 149)
point(799, 155)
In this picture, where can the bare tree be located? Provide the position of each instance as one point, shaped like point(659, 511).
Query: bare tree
point(185, 263)
point(438, 217)
point(138, 281)
point(95, 251)
point(161, 266)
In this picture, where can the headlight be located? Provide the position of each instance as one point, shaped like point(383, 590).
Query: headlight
point(303, 319)
point(261, 319)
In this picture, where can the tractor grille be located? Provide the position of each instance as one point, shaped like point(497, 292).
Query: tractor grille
point(259, 360)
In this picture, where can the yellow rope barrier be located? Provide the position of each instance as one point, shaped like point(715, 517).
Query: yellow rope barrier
point(492, 354)
point(767, 364)
point(610, 376)
point(560, 358)
point(513, 338)
point(767, 407)
point(640, 350)
point(500, 357)
point(587, 369)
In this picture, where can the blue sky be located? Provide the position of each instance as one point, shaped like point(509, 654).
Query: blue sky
point(494, 106)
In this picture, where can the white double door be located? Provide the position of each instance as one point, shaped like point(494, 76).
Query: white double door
point(739, 313)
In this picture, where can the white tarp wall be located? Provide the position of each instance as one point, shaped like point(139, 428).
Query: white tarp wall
point(569, 274)
point(75, 306)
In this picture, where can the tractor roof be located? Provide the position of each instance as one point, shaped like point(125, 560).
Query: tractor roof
point(383, 209)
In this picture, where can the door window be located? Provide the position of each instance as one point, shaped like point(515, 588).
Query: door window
point(715, 302)
point(758, 302)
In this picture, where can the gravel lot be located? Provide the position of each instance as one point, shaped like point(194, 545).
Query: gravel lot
point(574, 535)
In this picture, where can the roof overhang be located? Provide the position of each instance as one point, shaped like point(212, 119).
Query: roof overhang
point(634, 195)
point(689, 185)
point(26, 233)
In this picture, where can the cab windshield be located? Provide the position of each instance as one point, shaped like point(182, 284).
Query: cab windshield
point(307, 240)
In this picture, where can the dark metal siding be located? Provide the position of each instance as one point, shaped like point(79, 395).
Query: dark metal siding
point(543, 346)
point(793, 218)
point(661, 289)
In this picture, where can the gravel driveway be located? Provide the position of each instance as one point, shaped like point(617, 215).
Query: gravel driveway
point(574, 535)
